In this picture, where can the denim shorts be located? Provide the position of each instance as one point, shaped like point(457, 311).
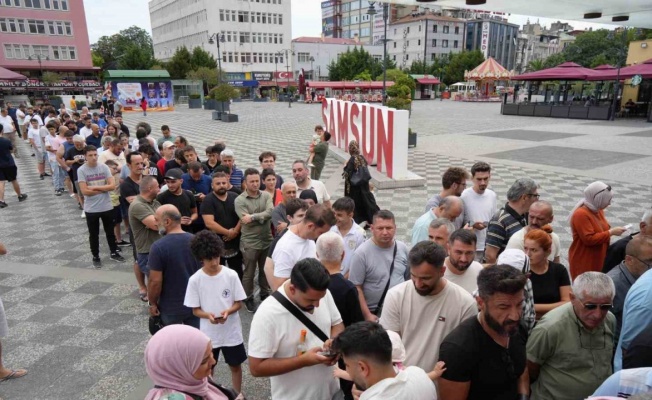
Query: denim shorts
point(143, 261)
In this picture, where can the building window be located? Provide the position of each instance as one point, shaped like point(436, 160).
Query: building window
point(36, 26)
point(394, 57)
point(434, 42)
point(444, 43)
point(244, 37)
point(243, 16)
point(455, 44)
point(303, 57)
point(44, 51)
point(446, 28)
point(457, 30)
point(407, 56)
point(419, 42)
point(394, 44)
point(419, 28)
point(9, 51)
point(55, 53)
point(408, 29)
point(221, 15)
point(280, 19)
point(434, 28)
point(433, 56)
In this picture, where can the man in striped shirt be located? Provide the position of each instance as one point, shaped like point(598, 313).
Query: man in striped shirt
point(511, 218)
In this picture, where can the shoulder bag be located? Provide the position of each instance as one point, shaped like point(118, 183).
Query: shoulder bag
point(300, 316)
point(379, 309)
point(360, 176)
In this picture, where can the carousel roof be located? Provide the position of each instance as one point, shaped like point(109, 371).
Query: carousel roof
point(489, 69)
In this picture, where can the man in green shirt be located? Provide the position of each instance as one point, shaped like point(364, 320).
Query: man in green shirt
point(167, 136)
point(320, 152)
point(569, 351)
point(254, 208)
point(142, 220)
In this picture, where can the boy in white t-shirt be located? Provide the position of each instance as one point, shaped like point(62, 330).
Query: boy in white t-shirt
point(215, 295)
point(35, 140)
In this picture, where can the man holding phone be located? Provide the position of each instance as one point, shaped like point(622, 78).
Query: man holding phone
point(182, 199)
point(479, 205)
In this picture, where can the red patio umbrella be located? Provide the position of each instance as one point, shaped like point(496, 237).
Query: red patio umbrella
point(644, 69)
point(604, 67)
point(8, 75)
point(568, 71)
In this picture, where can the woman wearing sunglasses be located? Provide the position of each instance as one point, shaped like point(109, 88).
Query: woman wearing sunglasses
point(591, 231)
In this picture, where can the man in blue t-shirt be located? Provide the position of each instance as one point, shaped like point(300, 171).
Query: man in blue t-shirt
point(171, 265)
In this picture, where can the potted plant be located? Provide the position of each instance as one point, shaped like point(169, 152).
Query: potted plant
point(55, 101)
point(81, 104)
point(412, 138)
point(194, 100)
point(219, 106)
point(223, 94)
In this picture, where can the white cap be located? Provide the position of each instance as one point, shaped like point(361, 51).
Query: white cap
point(515, 258)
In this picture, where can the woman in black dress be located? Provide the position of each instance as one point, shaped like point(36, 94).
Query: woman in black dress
point(365, 202)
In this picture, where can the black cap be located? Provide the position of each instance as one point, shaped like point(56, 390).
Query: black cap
point(174, 173)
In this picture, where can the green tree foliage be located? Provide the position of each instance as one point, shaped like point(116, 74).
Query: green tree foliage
point(115, 48)
point(363, 76)
point(179, 65)
point(224, 93)
point(50, 77)
point(460, 62)
point(352, 63)
point(598, 46)
point(201, 58)
point(536, 65)
point(400, 93)
point(98, 60)
point(554, 60)
point(419, 67)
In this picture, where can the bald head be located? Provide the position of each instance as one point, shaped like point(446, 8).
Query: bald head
point(168, 218)
point(638, 255)
point(540, 214)
point(289, 191)
point(450, 208)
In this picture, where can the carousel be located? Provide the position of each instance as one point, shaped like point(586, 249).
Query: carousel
point(487, 77)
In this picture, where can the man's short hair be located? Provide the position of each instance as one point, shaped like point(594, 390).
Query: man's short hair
point(480, 166)
point(114, 142)
point(222, 168)
point(111, 163)
point(463, 235)
point(50, 124)
point(327, 136)
point(206, 245)
point(141, 133)
point(68, 134)
point(439, 222)
point(146, 182)
point(453, 175)
point(188, 149)
point(227, 153)
point(320, 215)
point(144, 125)
point(300, 162)
point(266, 154)
point(500, 279)
point(250, 171)
point(294, 205)
point(521, 187)
point(267, 172)
point(146, 148)
point(219, 147)
point(212, 150)
point(219, 174)
point(384, 214)
point(178, 154)
point(107, 139)
point(318, 127)
point(89, 148)
point(428, 252)
point(345, 204)
point(86, 118)
point(165, 128)
point(366, 340)
point(131, 155)
point(309, 273)
point(593, 284)
point(195, 166)
point(635, 246)
point(330, 247)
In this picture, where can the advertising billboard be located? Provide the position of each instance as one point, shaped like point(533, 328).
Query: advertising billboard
point(158, 94)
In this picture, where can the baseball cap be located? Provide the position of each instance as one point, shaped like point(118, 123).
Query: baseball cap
point(174, 173)
point(78, 138)
point(167, 144)
point(515, 258)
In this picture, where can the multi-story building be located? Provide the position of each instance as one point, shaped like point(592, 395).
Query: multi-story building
point(494, 37)
point(314, 54)
point(424, 36)
point(252, 33)
point(38, 36)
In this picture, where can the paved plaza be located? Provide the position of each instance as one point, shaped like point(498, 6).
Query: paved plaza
point(81, 332)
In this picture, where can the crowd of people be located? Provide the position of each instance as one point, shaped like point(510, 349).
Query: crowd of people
point(478, 306)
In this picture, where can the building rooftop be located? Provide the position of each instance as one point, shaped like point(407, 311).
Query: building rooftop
point(423, 16)
point(325, 40)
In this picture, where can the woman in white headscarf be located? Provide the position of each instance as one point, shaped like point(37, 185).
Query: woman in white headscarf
point(591, 231)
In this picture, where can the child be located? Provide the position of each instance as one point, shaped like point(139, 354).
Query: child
point(34, 135)
point(398, 357)
point(215, 294)
point(316, 139)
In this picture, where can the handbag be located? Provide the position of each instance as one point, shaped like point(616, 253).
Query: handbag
point(155, 324)
point(360, 176)
point(379, 309)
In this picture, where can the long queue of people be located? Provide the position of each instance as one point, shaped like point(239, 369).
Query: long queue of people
point(477, 306)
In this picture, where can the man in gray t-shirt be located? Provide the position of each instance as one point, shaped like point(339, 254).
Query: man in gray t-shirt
point(96, 182)
point(371, 262)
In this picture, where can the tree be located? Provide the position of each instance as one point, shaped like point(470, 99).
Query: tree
point(418, 67)
point(113, 48)
point(592, 44)
point(98, 60)
point(202, 58)
point(134, 58)
point(554, 60)
point(363, 76)
point(460, 62)
point(179, 65)
point(210, 77)
point(535, 65)
point(49, 78)
point(352, 63)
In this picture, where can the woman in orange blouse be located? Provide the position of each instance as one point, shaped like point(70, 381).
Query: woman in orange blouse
point(591, 231)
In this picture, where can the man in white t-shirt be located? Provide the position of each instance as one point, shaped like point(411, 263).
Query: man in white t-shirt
point(299, 243)
point(366, 350)
point(427, 308)
point(20, 117)
point(540, 215)
point(461, 269)
point(86, 130)
point(300, 174)
point(352, 234)
point(296, 369)
point(479, 204)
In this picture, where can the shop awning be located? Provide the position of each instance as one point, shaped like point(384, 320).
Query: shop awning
point(567, 71)
point(280, 83)
point(644, 69)
point(8, 75)
point(429, 81)
point(348, 85)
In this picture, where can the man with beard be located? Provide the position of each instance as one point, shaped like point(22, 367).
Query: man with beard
point(182, 199)
point(300, 174)
point(569, 351)
point(461, 269)
point(540, 215)
point(485, 356)
point(479, 204)
point(218, 213)
point(439, 231)
point(427, 308)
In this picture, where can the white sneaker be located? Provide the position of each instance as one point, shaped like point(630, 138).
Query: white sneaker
point(83, 215)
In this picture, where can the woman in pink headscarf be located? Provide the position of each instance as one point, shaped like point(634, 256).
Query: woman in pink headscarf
point(591, 231)
point(179, 359)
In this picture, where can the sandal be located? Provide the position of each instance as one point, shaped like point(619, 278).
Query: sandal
point(143, 296)
point(14, 374)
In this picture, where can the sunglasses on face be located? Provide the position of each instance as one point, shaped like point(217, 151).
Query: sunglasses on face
point(603, 307)
point(607, 188)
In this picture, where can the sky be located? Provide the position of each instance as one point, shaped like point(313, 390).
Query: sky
point(108, 17)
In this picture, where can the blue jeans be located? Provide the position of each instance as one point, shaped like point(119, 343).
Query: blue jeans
point(182, 319)
point(58, 175)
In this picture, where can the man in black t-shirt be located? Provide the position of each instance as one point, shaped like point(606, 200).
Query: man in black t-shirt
point(226, 170)
point(184, 200)
point(485, 356)
point(218, 213)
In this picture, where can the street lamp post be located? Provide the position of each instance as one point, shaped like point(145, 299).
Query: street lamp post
point(40, 57)
point(217, 38)
point(288, 53)
point(372, 11)
point(312, 72)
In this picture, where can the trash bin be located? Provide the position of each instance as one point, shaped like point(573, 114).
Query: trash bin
point(446, 95)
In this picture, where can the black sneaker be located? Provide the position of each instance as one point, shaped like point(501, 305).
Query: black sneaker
point(58, 192)
point(117, 250)
point(46, 174)
point(3, 204)
point(41, 177)
point(97, 263)
point(123, 243)
point(117, 257)
point(22, 197)
point(250, 305)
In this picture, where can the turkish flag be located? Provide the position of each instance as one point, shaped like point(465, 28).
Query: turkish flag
point(283, 75)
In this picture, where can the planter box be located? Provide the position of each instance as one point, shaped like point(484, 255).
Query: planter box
point(542, 111)
point(559, 111)
point(217, 115)
point(222, 106)
point(510, 109)
point(601, 113)
point(526, 110)
point(260, 100)
point(194, 103)
point(412, 140)
point(578, 112)
point(229, 117)
point(210, 104)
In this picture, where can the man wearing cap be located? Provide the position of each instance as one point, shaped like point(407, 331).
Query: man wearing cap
point(167, 154)
point(182, 199)
point(75, 158)
point(518, 259)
